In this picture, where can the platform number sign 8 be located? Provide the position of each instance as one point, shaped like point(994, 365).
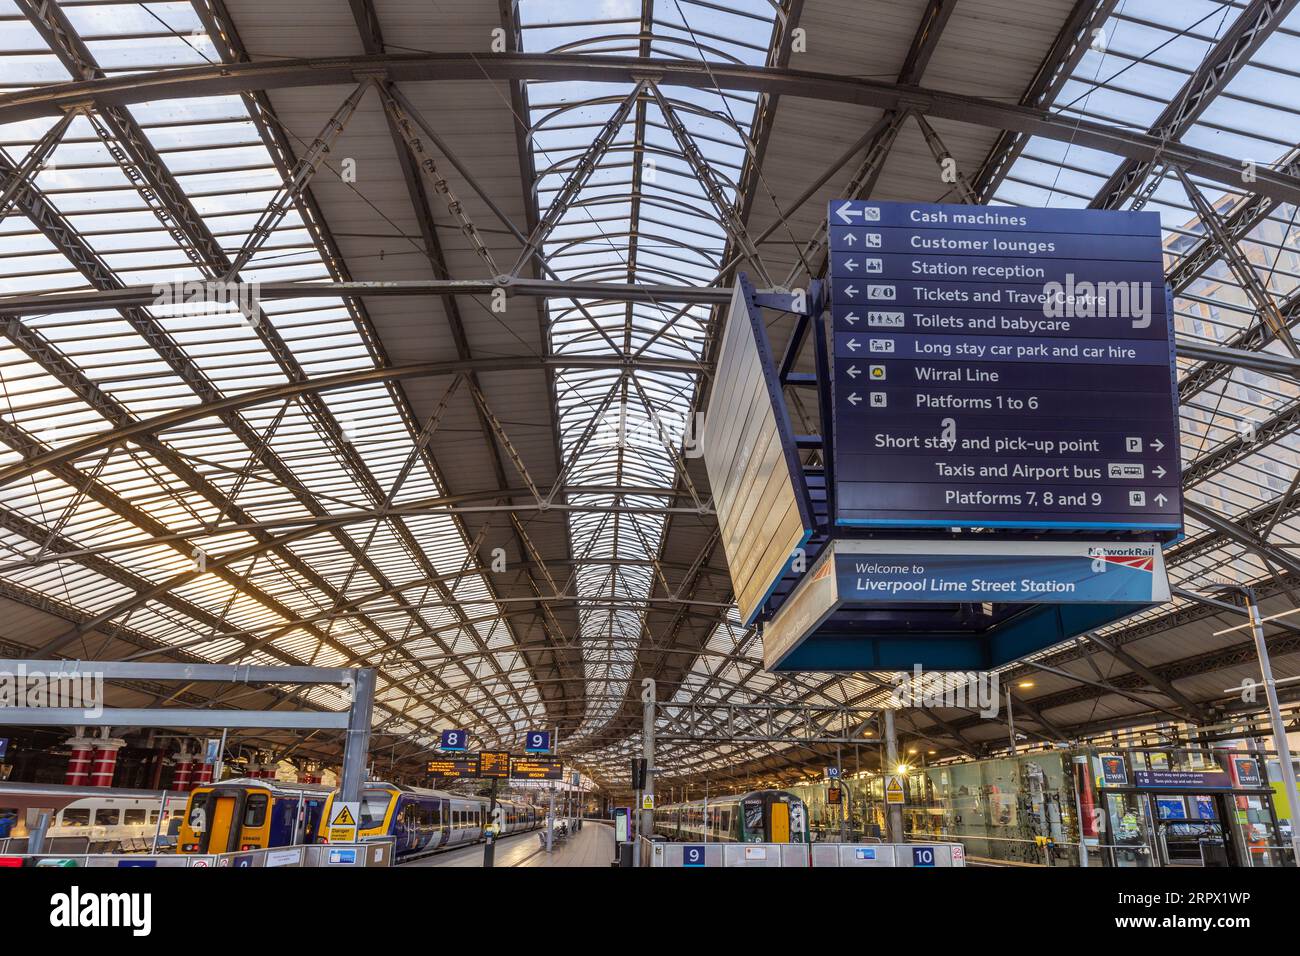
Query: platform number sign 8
point(923, 856)
point(693, 855)
point(454, 739)
point(537, 741)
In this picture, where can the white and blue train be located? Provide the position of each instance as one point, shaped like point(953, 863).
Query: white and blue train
point(423, 821)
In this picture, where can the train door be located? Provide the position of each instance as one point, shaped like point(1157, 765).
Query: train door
point(224, 812)
point(780, 822)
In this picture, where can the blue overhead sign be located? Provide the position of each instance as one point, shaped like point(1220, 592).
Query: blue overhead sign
point(1001, 367)
point(454, 740)
point(537, 742)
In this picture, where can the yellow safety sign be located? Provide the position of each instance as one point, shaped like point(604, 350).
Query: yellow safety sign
point(344, 818)
point(647, 802)
point(343, 826)
point(894, 792)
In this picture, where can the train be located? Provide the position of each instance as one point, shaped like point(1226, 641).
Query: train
point(421, 821)
point(760, 816)
point(251, 814)
point(108, 819)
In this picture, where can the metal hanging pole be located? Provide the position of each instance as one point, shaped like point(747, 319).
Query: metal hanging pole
point(1275, 716)
point(893, 812)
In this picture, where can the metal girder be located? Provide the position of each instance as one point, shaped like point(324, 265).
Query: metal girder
point(216, 407)
point(1229, 54)
point(1193, 709)
point(728, 213)
point(173, 717)
point(32, 162)
point(1241, 267)
point(225, 78)
point(1230, 529)
point(223, 673)
point(1071, 45)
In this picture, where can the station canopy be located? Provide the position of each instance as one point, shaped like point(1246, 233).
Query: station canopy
point(249, 416)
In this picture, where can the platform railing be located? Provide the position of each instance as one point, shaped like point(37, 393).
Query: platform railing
point(369, 854)
point(801, 855)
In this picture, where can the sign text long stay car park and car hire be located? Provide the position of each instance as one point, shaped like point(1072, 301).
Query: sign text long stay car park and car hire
point(1001, 467)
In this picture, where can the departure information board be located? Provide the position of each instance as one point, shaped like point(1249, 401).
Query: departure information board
point(494, 765)
point(466, 766)
point(536, 768)
point(1001, 367)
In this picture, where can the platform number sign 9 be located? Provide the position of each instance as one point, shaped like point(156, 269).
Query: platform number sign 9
point(454, 739)
point(693, 855)
point(537, 742)
point(923, 856)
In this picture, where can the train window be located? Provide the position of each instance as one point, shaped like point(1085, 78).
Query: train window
point(75, 817)
point(134, 817)
point(153, 816)
point(106, 818)
point(374, 807)
point(255, 810)
point(8, 820)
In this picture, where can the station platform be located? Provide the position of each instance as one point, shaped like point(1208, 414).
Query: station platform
point(593, 845)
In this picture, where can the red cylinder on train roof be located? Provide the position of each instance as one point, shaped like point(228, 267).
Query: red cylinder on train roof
point(104, 763)
point(183, 777)
point(79, 761)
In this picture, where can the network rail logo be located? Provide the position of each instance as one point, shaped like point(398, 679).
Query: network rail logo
point(973, 690)
point(77, 690)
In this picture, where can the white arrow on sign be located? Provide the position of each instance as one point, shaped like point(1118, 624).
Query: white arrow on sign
point(852, 318)
point(1158, 471)
point(1158, 444)
point(846, 214)
point(851, 291)
point(851, 265)
point(850, 239)
point(854, 371)
point(853, 345)
point(1160, 500)
point(854, 398)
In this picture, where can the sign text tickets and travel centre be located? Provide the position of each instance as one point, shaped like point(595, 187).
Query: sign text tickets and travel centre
point(1001, 367)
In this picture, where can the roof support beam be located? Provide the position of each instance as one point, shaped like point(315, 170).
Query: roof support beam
point(1232, 51)
point(227, 78)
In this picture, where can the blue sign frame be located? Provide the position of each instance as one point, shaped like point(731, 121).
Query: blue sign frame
point(693, 854)
point(455, 740)
point(537, 742)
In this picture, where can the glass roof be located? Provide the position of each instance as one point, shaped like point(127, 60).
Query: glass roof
point(220, 537)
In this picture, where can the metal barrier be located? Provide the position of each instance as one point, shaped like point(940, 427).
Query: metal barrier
point(925, 855)
point(372, 853)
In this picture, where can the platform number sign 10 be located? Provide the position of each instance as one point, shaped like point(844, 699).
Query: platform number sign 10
point(454, 739)
point(537, 742)
point(923, 856)
point(693, 854)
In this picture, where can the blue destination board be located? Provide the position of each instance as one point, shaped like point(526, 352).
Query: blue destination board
point(1001, 367)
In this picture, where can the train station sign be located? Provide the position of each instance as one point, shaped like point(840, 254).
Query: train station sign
point(454, 767)
point(1001, 368)
point(454, 740)
point(494, 765)
point(537, 741)
point(1020, 594)
point(536, 768)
